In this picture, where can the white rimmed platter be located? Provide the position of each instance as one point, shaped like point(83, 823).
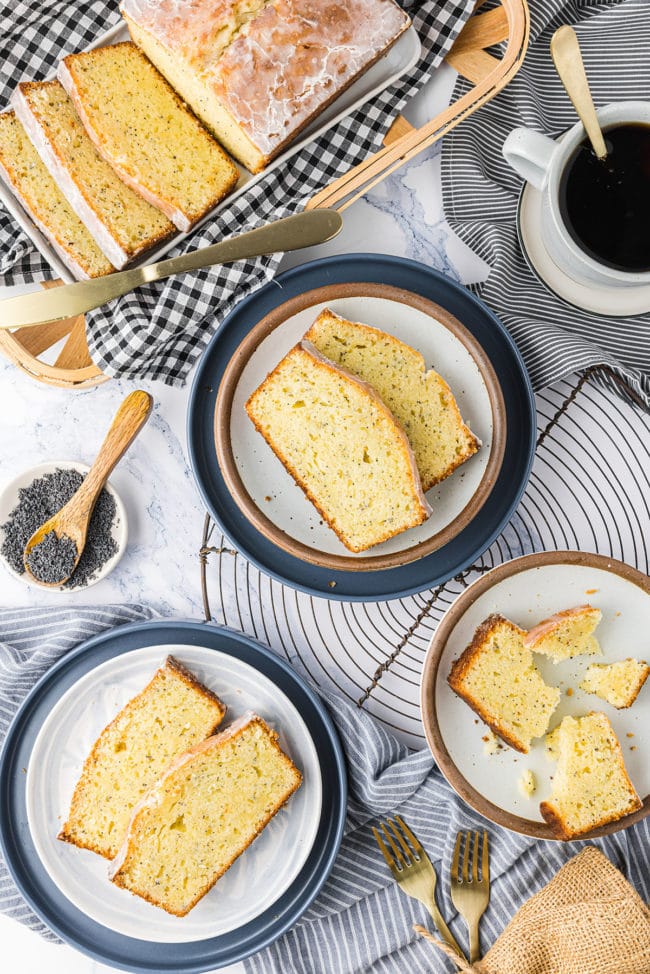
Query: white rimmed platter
point(396, 62)
point(257, 879)
point(265, 491)
point(9, 497)
point(526, 591)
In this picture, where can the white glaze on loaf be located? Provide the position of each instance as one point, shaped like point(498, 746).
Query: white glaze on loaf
point(272, 65)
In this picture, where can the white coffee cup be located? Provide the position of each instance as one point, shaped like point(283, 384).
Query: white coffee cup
point(541, 161)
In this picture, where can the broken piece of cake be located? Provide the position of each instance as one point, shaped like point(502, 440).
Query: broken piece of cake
point(566, 634)
point(591, 786)
point(497, 676)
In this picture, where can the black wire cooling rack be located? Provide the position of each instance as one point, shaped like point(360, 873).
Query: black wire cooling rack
point(589, 490)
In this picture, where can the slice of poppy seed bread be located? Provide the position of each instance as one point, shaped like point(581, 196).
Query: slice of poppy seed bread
point(422, 401)
point(496, 675)
point(342, 446)
point(23, 171)
point(142, 128)
point(123, 224)
point(618, 683)
point(591, 786)
point(173, 712)
point(566, 634)
point(202, 813)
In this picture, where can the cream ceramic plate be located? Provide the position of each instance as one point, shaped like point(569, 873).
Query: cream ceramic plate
point(398, 60)
point(612, 302)
point(256, 880)
point(9, 500)
point(528, 590)
point(265, 491)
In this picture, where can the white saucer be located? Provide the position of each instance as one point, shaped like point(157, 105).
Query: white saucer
point(609, 302)
point(258, 878)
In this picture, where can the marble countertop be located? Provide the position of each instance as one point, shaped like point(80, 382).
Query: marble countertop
point(403, 216)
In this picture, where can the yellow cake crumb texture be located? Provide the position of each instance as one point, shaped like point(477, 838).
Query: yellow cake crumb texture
point(173, 712)
point(342, 445)
point(129, 220)
point(527, 783)
point(617, 683)
point(421, 401)
point(203, 813)
point(142, 128)
point(566, 634)
point(24, 171)
point(591, 786)
point(497, 676)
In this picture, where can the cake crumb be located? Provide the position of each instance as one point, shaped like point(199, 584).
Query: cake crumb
point(569, 691)
point(268, 498)
point(629, 734)
point(526, 783)
point(491, 743)
point(633, 747)
point(590, 591)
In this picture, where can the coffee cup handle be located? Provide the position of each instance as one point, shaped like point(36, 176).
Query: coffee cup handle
point(529, 153)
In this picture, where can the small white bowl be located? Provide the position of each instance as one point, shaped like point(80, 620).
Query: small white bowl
point(9, 500)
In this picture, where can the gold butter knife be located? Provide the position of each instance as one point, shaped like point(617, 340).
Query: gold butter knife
point(302, 230)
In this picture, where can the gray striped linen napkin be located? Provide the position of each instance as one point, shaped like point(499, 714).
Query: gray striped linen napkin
point(360, 922)
point(481, 192)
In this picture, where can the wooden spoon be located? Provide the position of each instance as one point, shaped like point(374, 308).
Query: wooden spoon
point(565, 50)
point(73, 519)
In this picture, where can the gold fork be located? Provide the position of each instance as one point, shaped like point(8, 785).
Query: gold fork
point(413, 870)
point(471, 896)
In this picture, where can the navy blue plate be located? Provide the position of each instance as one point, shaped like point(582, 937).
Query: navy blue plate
point(70, 923)
point(469, 544)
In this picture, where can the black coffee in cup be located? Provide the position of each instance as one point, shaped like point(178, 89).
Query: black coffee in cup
point(606, 205)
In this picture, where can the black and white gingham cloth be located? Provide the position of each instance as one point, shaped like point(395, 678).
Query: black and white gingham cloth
point(481, 192)
point(158, 331)
point(361, 922)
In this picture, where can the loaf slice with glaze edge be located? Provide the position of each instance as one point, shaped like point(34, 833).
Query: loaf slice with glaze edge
point(421, 400)
point(496, 675)
point(23, 171)
point(203, 812)
point(123, 224)
point(591, 786)
point(173, 712)
point(342, 446)
point(142, 128)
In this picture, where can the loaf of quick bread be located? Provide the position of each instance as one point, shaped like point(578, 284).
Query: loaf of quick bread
point(256, 72)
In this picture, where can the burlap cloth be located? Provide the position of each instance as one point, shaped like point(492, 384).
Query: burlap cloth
point(587, 920)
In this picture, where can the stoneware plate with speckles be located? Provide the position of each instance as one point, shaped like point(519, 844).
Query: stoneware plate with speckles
point(262, 873)
point(267, 494)
point(526, 591)
point(420, 571)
